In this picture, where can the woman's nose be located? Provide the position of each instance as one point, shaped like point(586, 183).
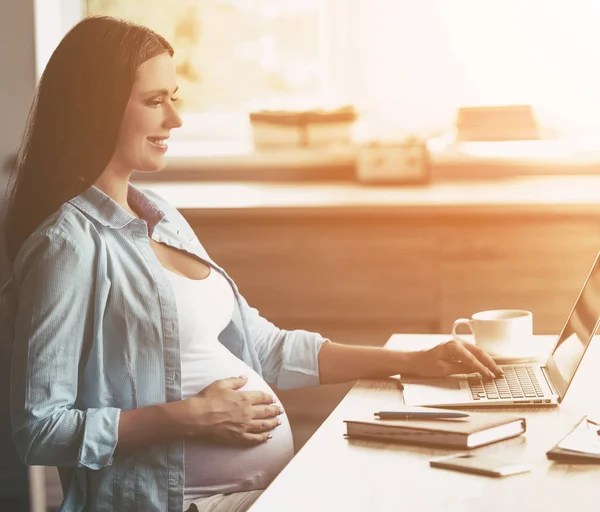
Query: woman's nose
point(173, 118)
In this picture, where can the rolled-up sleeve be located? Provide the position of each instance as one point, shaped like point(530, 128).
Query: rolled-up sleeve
point(54, 316)
point(289, 359)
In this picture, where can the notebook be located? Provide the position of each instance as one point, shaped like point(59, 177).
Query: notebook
point(479, 429)
point(523, 384)
point(580, 445)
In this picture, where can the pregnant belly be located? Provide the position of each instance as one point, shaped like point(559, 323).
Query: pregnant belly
point(219, 468)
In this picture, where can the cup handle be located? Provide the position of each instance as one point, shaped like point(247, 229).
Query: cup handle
point(461, 321)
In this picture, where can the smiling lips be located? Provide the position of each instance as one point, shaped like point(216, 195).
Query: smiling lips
point(159, 142)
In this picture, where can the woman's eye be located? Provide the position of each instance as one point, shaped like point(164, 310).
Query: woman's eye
point(157, 103)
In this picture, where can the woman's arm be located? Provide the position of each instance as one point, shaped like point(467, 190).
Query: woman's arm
point(53, 280)
point(341, 363)
point(299, 358)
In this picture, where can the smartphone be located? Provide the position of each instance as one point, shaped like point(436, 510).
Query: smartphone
point(480, 465)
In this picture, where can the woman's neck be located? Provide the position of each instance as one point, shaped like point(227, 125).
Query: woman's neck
point(116, 185)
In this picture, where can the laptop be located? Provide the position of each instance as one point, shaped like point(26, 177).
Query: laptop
point(522, 384)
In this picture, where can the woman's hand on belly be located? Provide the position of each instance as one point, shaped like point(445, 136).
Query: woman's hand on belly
point(222, 413)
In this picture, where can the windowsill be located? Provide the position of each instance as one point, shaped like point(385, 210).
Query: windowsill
point(504, 160)
point(227, 161)
point(541, 196)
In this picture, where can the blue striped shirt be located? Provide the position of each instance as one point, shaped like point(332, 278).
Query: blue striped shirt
point(94, 323)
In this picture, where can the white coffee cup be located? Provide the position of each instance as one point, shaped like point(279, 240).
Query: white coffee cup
point(500, 332)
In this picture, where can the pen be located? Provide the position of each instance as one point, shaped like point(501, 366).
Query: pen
point(422, 415)
point(592, 422)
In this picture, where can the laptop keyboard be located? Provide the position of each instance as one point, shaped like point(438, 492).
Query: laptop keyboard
point(517, 382)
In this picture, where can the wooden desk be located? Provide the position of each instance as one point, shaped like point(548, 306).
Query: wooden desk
point(331, 473)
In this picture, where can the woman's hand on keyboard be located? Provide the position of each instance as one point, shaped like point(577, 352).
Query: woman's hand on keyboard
point(223, 413)
point(453, 357)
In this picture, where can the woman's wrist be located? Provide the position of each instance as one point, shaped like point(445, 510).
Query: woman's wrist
point(186, 416)
point(152, 425)
point(398, 362)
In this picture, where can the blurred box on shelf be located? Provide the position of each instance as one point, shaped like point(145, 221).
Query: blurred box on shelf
point(389, 161)
point(496, 123)
point(277, 129)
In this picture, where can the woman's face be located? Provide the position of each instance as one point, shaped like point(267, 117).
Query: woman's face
point(149, 117)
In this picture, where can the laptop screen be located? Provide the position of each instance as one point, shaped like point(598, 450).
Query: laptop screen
point(577, 333)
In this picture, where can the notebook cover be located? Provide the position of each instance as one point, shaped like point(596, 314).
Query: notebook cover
point(442, 432)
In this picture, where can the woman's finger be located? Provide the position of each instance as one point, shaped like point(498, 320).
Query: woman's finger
point(485, 358)
point(254, 439)
point(459, 354)
point(259, 397)
point(266, 411)
point(260, 426)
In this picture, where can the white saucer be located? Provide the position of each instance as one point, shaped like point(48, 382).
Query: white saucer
point(533, 354)
point(519, 358)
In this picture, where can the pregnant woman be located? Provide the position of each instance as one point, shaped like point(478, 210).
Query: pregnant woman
point(138, 368)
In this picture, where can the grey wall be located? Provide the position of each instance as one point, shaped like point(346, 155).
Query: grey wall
point(17, 84)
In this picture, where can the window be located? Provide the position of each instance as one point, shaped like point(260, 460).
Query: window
point(407, 66)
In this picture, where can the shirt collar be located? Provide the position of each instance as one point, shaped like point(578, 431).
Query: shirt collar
point(108, 212)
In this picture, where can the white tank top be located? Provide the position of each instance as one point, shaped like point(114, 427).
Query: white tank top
point(204, 309)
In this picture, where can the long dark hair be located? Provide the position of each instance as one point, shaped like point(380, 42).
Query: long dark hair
point(75, 118)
